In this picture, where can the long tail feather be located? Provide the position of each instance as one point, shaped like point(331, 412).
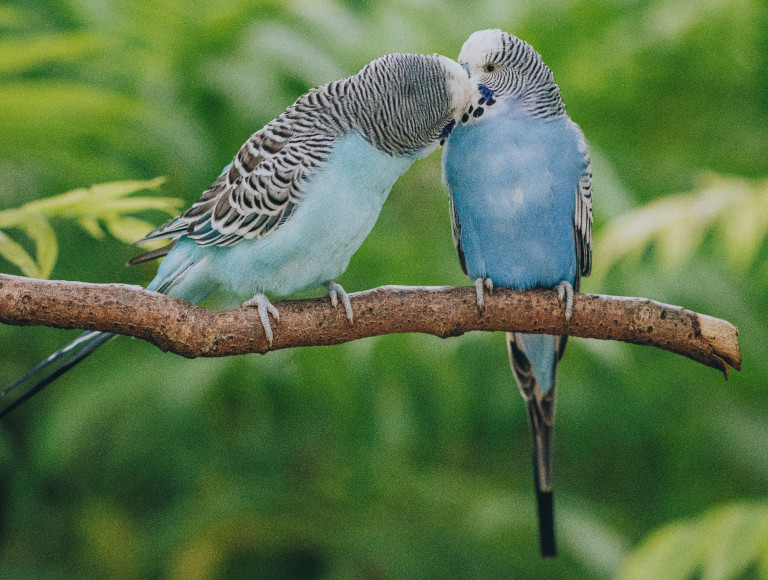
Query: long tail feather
point(151, 255)
point(544, 501)
point(534, 358)
point(73, 353)
point(542, 474)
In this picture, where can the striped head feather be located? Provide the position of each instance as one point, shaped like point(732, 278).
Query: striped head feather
point(501, 65)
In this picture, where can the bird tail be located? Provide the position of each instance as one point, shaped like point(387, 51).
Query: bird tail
point(70, 355)
point(171, 279)
point(534, 358)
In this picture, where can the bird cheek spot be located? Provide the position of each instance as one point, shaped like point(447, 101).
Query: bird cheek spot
point(445, 133)
point(486, 93)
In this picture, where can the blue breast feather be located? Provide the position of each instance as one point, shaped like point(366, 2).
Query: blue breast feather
point(514, 182)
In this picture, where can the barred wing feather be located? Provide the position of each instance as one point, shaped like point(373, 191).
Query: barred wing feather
point(263, 185)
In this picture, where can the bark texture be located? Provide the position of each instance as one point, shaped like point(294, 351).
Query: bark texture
point(177, 326)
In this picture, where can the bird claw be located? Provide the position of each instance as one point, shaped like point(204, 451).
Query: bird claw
point(565, 290)
point(335, 291)
point(481, 283)
point(266, 308)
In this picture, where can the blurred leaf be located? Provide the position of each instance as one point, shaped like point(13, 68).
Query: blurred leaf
point(720, 545)
point(109, 202)
point(742, 228)
point(111, 539)
point(92, 199)
point(736, 210)
point(163, 204)
point(18, 256)
point(128, 229)
point(123, 188)
point(736, 537)
point(39, 229)
point(677, 243)
point(671, 553)
point(10, 16)
point(20, 54)
point(91, 225)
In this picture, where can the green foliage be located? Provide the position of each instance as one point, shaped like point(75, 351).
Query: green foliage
point(723, 544)
point(17, 55)
point(400, 456)
point(108, 205)
point(734, 210)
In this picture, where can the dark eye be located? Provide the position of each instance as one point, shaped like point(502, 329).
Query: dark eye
point(489, 68)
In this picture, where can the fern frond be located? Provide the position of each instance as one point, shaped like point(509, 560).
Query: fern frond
point(104, 206)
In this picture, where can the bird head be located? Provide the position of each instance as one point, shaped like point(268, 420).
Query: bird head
point(504, 67)
point(409, 103)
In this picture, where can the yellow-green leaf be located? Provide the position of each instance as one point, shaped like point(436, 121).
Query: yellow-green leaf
point(25, 53)
point(735, 209)
point(737, 535)
point(671, 553)
point(128, 229)
point(743, 228)
point(720, 545)
point(677, 243)
point(91, 225)
point(134, 204)
point(123, 188)
point(39, 229)
point(87, 201)
point(108, 202)
point(18, 256)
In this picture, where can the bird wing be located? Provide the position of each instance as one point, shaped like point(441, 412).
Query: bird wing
point(456, 233)
point(582, 221)
point(263, 185)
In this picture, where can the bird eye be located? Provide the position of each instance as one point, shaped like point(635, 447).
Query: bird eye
point(489, 68)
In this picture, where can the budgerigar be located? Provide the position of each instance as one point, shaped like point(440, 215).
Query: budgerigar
point(519, 179)
point(302, 193)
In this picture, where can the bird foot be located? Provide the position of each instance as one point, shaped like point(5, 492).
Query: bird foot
point(335, 291)
point(565, 291)
point(480, 283)
point(266, 308)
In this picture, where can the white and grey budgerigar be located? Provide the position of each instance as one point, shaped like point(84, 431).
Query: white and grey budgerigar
point(519, 179)
point(302, 193)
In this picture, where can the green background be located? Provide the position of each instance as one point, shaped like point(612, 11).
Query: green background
point(399, 456)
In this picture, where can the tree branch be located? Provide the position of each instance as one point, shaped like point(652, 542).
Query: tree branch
point(178, 326)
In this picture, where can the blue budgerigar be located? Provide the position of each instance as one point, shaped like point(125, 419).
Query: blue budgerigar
point(519, 179)
point(302, 193)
